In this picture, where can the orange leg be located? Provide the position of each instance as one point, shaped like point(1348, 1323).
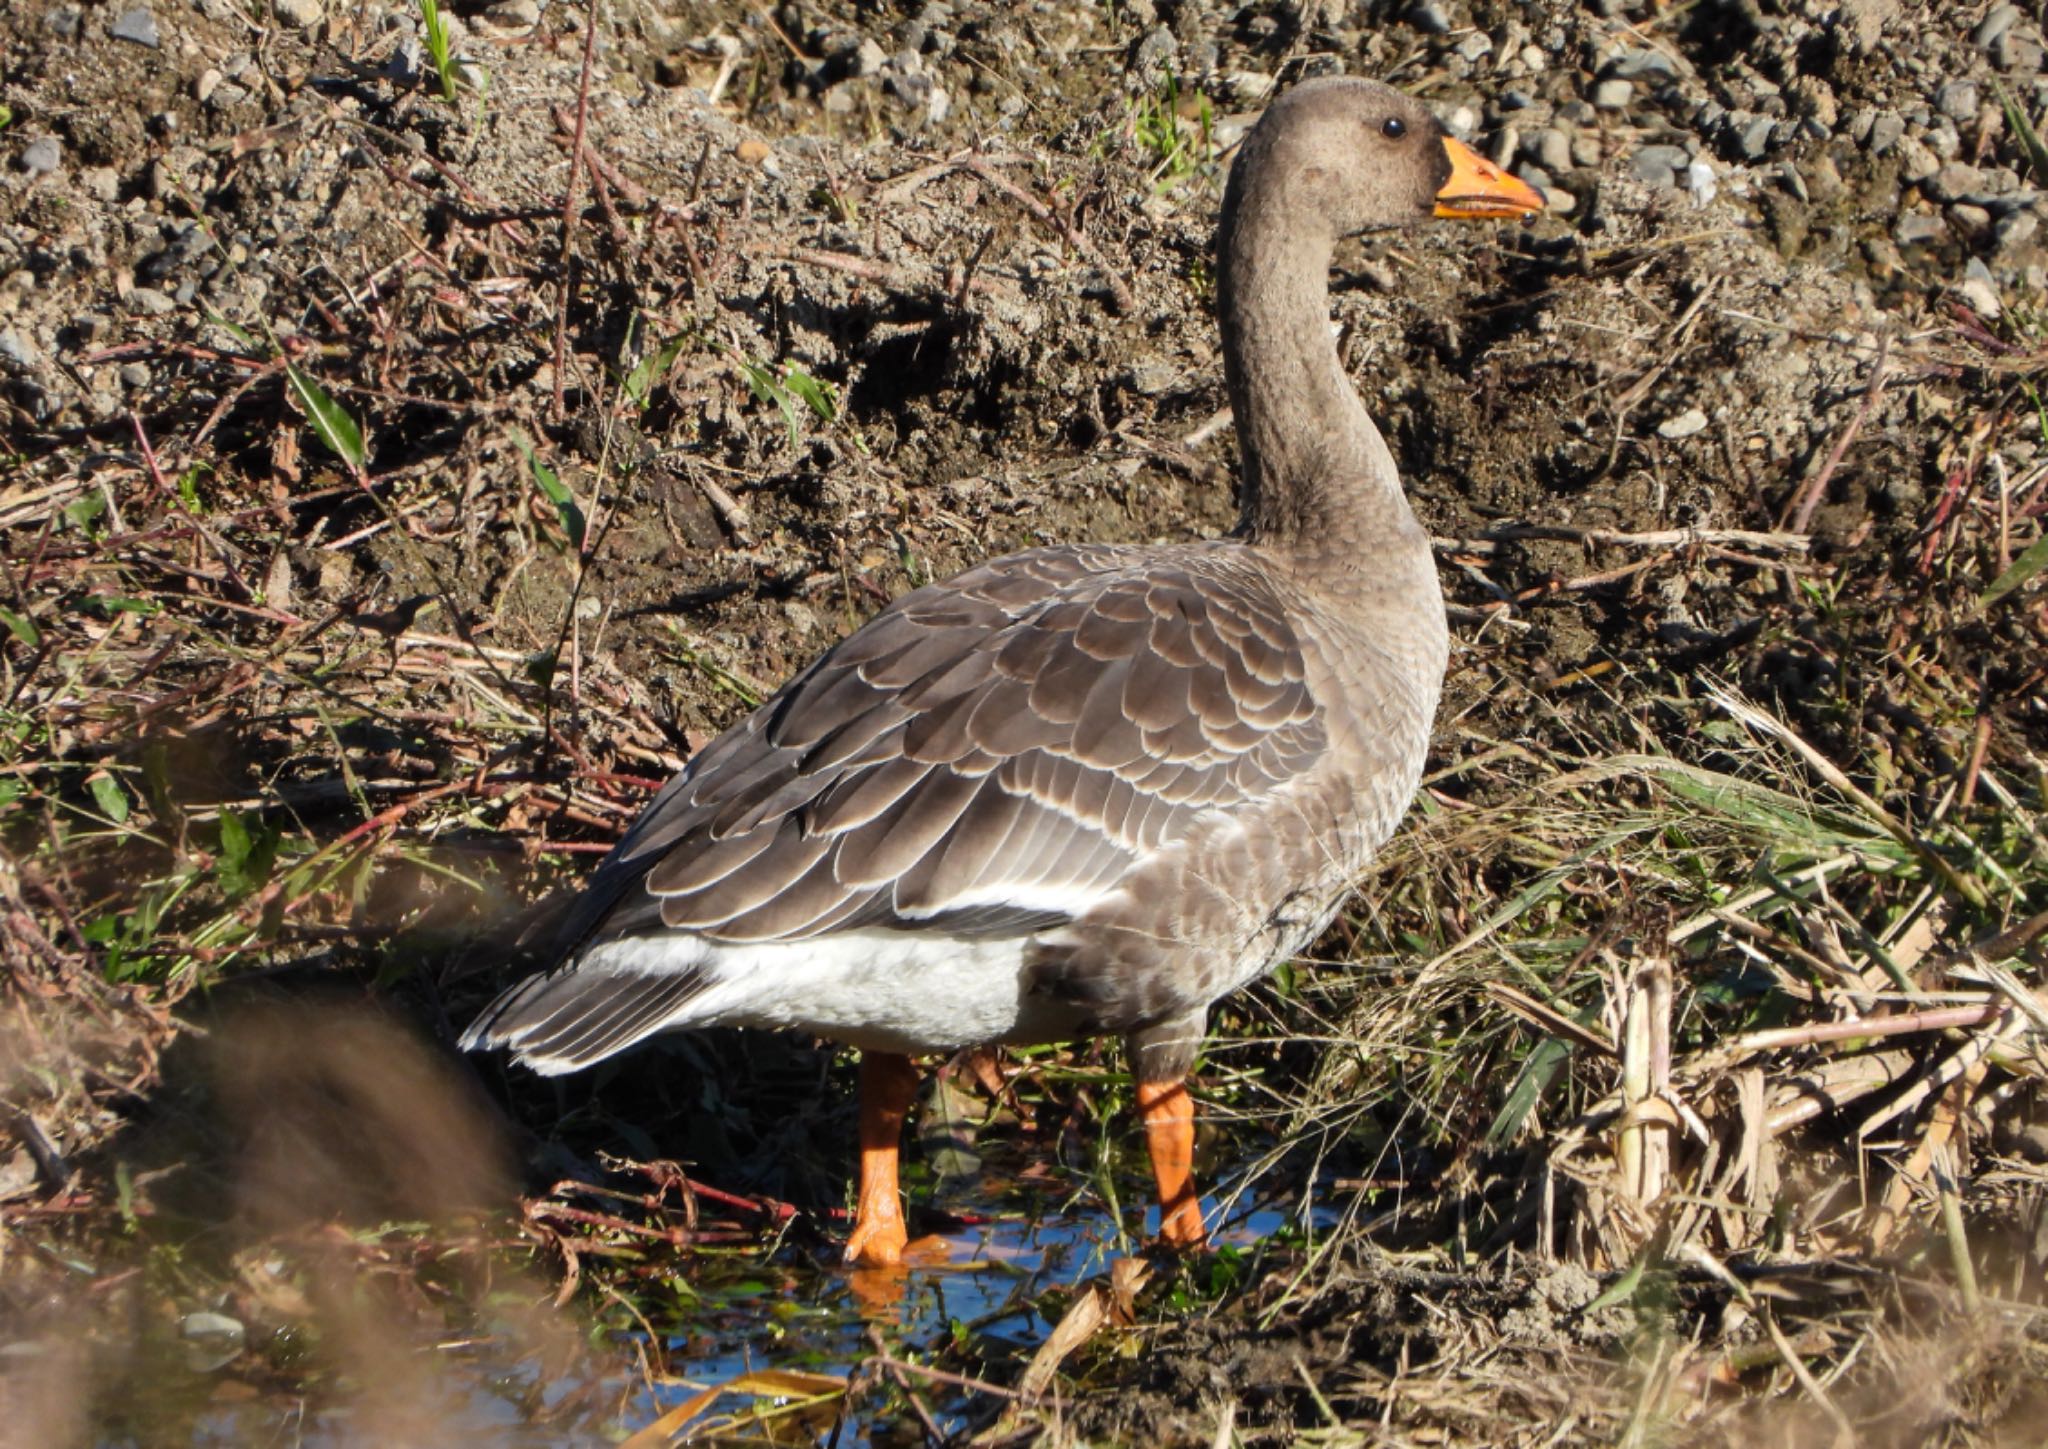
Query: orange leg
point(1169, 1114)
point(887, 1084)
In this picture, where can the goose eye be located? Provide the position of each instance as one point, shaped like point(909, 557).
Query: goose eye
point(1393, 128)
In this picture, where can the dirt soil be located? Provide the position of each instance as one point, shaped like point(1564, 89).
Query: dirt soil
point(392, 493)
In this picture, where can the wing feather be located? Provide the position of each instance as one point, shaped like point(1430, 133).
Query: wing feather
point(986, 756)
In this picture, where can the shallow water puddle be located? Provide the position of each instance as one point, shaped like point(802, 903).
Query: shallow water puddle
point(996, 1285)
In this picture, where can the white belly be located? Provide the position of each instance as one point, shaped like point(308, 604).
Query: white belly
point(893, 991)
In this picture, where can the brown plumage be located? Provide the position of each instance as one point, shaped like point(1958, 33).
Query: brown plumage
point(1081, 789)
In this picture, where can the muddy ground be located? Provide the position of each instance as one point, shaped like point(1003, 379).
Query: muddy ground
point(393, 492)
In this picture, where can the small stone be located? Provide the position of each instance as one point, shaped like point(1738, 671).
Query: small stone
point(1156, 52)
point(1659, 165)
point(1150, 379)
point(1551, 149)
point(101, 183)
point(1992, 28)
point(1536, 176)
point(1613, 95)
point(1429, 18)
point(150, 302)
point(1918, 229)
point(869, 58)
point(42, 156)
point(2015, 230)
point(1475, 45)
point(1699, 180)
point(1979, 290)
point(64, 21)
point(136, 26)
point(1644, 64)
point(300, 14)
point(135, 374)
point(753, 151)
point(1691, 421)
point(1754, 139)
point(208, 82)
point(1512, 100)
point(842, 99)
point(1916, 162)
point(513, 17)
point(1586, 149)
point(1534, 59)
point(1886, 129)
point(18, 350)
point(1972, 220)
point(1953, 182)
point(1461, 121)
point(1958, 100)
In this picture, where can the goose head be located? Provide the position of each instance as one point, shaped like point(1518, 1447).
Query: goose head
point(1345, 155)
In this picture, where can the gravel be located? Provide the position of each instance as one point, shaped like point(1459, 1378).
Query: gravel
point(137, 26)
point(41, 156)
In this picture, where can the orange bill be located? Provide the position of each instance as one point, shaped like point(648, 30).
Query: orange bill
point(1479, 190)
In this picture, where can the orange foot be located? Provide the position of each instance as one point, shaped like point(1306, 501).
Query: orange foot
point(877, 1240)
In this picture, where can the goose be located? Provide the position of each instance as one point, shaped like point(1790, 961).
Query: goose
point(1084, 789)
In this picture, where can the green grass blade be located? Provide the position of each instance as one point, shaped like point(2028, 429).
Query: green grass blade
point(2030, 139)
point(2023, 568)
point(330, 420)
point(554, 490)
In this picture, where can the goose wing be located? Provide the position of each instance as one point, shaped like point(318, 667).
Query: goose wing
point(985, 757)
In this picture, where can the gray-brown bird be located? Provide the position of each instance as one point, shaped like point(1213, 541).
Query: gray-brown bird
point(1081, 789)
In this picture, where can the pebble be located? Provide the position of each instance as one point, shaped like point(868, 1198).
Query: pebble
point(1659, 165)
point(1992, 28)
point(1430, 19)
point(2016, 230)
point(1953, 182)
point(1886, 130)
point(753, 151)
point(1613, 95)
point(1958, 100)
point(1918, 229)
point(514, 16)
point(1551, 149)
point(1754, 139)
point(150, 302)
point(869, 58)
point(1156, 52)
point(1644, 64)
point(1475, 45)
point(64, 21)
point(1916, 162)
point(1979, 290)
point(42, 156)
point(300, 14)
point(1699, 180)
point(1974, 220)
point(18, 350)
point(1691, 421)
point(136, 26)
